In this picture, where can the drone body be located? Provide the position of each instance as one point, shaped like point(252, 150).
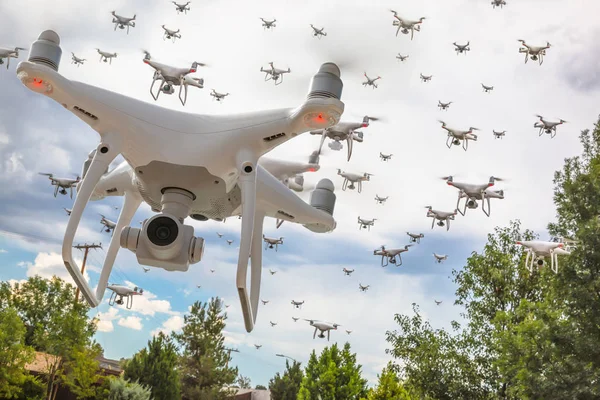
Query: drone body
point(274, 74)
point(363, 288)
point(146, 269)
point(473, 192)
point(437, 302)
point(456, 137)
point(318, 33)
point(297, 304)
point(406, 26)
point(385, 157)
point(444, 106)
point(441, 217)
point(366, 223)
point(220, 235)
point(122, 22)
point(425, 78)
point(547, 126)
point(120, 291)
point(536, 53)
point(393, 256)
point(498, 3)
point(380, 200)
point(350, 179)
point(272, 272)
point(182, 8)
point(212, 271)
point(415, 237)
point(171, 34)
point(273, 324)
point(8, 54)
point(272, 242)
point(108, 225)
point(76, 60)
point(218, 96)
point(322, 327)
point(258, 346)
point(268, 24)
point(487, 89)
point(106, 56)
point(370, 81)
point(462, 48)
point(347, 272)
point(401, 58)
point(348, 332)
point(499, 135)
point(62, 184)
point(440, 257)
point(229, 242)
point(343, 131)
point(295, 319)
point(265, 302)
point(537, 249)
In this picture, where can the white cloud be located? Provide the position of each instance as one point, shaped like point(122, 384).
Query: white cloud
point(104, 320)
point(131, 322)
point(149, 304)
point(173, 324)
point(51, 264)
point(2, 251)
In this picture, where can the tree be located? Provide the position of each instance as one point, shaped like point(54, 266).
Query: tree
point(260, 387)
point(243, 382)
point(204, 359)
point(156, 367)
point(334, 375)
point(122, 389)
point(82, 371)
point(14, 354)
point(389, 386)
point(287, 386)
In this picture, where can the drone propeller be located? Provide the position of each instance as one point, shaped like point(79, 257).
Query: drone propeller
point(46, 174)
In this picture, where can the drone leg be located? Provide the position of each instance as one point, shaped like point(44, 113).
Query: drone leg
point(553, 133)
point(116, 27)
point(432, 222)
point(360, 187)
point(529, 258)
point(458, 205)
point(412, 33)
point(489, 211)
point(71, 192)
point(399, 259)
point(465, 144)
point(555, 262)
point(315, 334)
point(449, 141)
point(344, 185)
point(129, 302)
point(350, 141)
point(278, 223)
point(447, 224)
point(111, 300)
point(526, 56)
point(56, 191)
point(328, 333)
point(382, 259)
point(323, 136)
point(183, 87)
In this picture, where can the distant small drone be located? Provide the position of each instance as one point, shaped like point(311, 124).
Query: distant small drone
point(441, 216)
point(536, 251)
point(370, 82)
point(170, 34)
point(462, 48)
point(487, 89)
point(347, 272)
point(258, 346)
point(229, 242)
point(68, 211)
point(405, 26)
point(8, 54)
point(218, 96)
point(547, 126)
point(498, 3)
point(122, 22)
point(415, 237)
point(363, 288)
point(295, 319)
point(366, 223)
point(426, 78)
point(534, 52)
point(272, 272)
point(385, 157)
point(401, 58)
point(120, 291)
point(473, 192)
point(499, 135)
point(353, 179)
point(212, 271)
point(437, 302)
point(76, 60)
point(265, 302)
point(273, 323)
point(380, 200)
point(182, 8)
point(273, 74)
point(444, 106)
point(108, 225)
point(456, 137)
point(343, 131)
point(62, 184)
point(348, 332)
point(198, 286)
point(297, 304)
point(322, 327)
point(146, 269)
point(270, 242)
point(391, 256)
point(106, 56)
point(318, 33)
point(440, 257)
point(220, 235)
point(268, 24)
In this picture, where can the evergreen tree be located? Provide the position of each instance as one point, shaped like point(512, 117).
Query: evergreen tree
point(243, 382)
point(389, 386)
point(122, 389)
point(287, 386)
point(260, 387)
point(14, 354)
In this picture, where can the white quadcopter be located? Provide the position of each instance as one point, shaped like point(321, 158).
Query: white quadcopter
point(547, 126)
point(348, 332)
point(462, 48)
point(343, 131)
point(272, 242)
point(415, 237)
point(318, 33)
point(456, 137)
point(272, 272)
point(220, 235)
point(347, 272)
point(171, 34)
point(363, 288)
point(350, 179)
point(401, 58)
point(425, 78)
point(381, 200)
point(393, 256)
point(218, 96)
point(536, 251)
point(370, 82)
point(68, 211)
point(106, 56)
point(181, 164)
point(258, 346)
point(441, 217)
point(265, 302)
point(120, 291)
point(440, 257)
point(487, 89)
point(8, 54)
point(405, 26)
point(273, 324)
point(385, 157)
point(437, 303)
point(62, 184)
point(498, 3)
point(322, 327)
point(273, 74)
point(229, 242)
point(444, 106)
point(107, 225)
point(146, 270)
point(268, 24)
point(474, 192)
point(297, 304)
point(366, 223)
point(76, 60)
point(499, 135)
point(182, 8)
point(534, 52)
point(170, 77)
point(212, 271)
point(295, 319)
point(122, 22)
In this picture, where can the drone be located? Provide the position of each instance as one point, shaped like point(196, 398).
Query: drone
point(487, 89)
point(76, 60)
point(290, 173)
point(393, 256)
point(268, 24)
point(170, 77)
point(499, 135)
point(295, 319)
point(68, 211)
point(370, 82)
point(426, 78)
point(212, 271)
point(122, 22)
point(441, 216)
point(270, 242)
point(363, 288)
point(198, 286)
point(444, 106)
point(439, 258)
point(62, 184)
point(348, 272)
point(190, 165)
point(272, 272)
point(547, 126)
point(473, 192)
point(343, 131)
point(220, 235)
point(405, 26)
point(265, 302)
point(534, 52)
point(498, 3)
point(169, 34)
point(415, 237)
point(105, 56)
point(272, 324)
point(322, 327)
point(456, 137)
point(437, 302)
point(182, 8)
point(258, 346)
point(352, 179)
point(145, 269)
point(381, 200)
point(229, 242)
point(366, 223)
point(537, 250)
point(218, 96)
point(121, 291)
point(108, 225)
point(462, 48)
point(401, 58)
point(385, 157)
point(273, 74)
point(297, 304)
point(348, 332)
point(8, 54)
point(318, 33)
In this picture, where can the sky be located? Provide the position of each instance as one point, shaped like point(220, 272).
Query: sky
point(38, 135)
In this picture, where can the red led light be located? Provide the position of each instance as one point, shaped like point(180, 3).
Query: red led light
point(312, 170)
point(38, 82)
point(365, 125)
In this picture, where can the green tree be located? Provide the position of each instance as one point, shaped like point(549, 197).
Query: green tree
point(243, 382)
point(204, 359)
point(287, 386)
point(334, 375)
point(260, 387)
point(122, 389)
point(82, 371)
point(156, 367)
point(14, 354)
point(389, 386)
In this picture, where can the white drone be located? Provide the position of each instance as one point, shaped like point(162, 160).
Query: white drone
point(425, 78)
point(76, 60)
point(415, 237)
point(272, 272)
point(440, 257)
point(441, 217)
point(322, 327)
point(107, 225)
point(534, 52)
point(536, 251)
point(62, 184)
point(350, 179)
point(106, 56)
point(273, 74)
point(499, 135)
point(393, 256)
point(181, 164)
point(456, 137)
point(268, 24)
point(498, 3)
point(122, 22)
point(444, 106)
point(385, 157)
point(297, 304)
point(272, 242)
point(348, 332)
point(437, 303)
point(171, 34)
point(318, 33)
point(68, 211)
point(401, 58)
point(474, 192)
point(265, 302)
point(120, 291)
point(366, 223)
point(218, 96)
point(462, 48)
point(273, 324)
point(547, 126)
point(229, 242)
point(487, 89)
point(295, 319)
point(182, 8)
point(170, 77)
point(258, 346)
point(405, 26)
point(8, 54)
point(220, 235)
point(381, 200)
point(347, 271)
point(370, 82)
point(343, 131)
point(146, 270)
point(212, 271)
point(363, 288)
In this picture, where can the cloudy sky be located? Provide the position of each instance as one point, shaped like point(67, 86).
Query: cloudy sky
point(38, 135)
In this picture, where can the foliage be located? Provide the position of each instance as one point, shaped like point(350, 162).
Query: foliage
point(156, 367)
point(14, 354)
point(389, 386)
point(31, 389)
point(122, 389)
point(260, 387)
point(203, 362)
point(83, 371)
point(334, 375)
point(287, 386)
point(243, 382)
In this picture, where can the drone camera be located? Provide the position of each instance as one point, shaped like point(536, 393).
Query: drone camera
point(326, 83)
point(46, 50)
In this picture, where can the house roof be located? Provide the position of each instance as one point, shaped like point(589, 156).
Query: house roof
point(41, 362)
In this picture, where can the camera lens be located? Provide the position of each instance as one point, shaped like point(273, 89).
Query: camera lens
point(162, 231)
